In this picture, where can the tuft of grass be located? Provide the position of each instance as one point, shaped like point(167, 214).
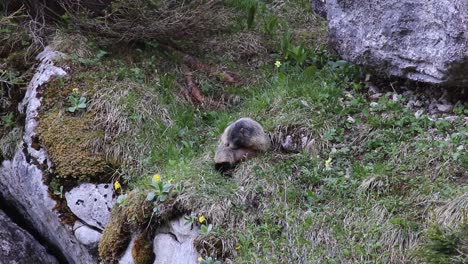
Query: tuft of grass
point(445, 245)
point(9, 143)
point(454, 212)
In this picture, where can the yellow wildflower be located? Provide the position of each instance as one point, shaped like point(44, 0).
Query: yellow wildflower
point(156, 177)
point(75, 90)
point(237, 247)
point(278, 64)
point(117, 185)
point(200, 259)
point(201, 219)
point(328, 162)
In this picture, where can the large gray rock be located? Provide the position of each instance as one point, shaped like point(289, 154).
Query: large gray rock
point(91, 203)
point(21, 180)
point(18, 246)
point(422, 40)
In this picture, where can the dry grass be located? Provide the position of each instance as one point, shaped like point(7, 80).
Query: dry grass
point(454, 212)
point(142, 20)
point(121, 109)
point(22, 30)
point(71, 44)
point(9, 143)
point(295, 138)
point(238, 46)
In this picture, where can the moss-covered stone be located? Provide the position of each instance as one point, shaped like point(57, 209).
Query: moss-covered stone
point(133, 214)
point(66, 139)
point(115, 237)
point(142, 251)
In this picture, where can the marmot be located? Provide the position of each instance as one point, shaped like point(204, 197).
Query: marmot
point(240, 141)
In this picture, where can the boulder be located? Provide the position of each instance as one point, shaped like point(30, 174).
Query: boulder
point(18, 246)
point(420, 40)
point(91, 203)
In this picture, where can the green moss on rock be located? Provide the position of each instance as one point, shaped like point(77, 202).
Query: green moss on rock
point(134, 216)
point(115, 237)
point(66, 139)
point(142, 251)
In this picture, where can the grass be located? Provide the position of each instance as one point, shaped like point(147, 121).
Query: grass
point(368, 188)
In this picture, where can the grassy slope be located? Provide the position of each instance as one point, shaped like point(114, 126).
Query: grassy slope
point(387, 179)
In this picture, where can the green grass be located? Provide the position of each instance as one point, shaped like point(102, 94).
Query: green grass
point(390, 173)
point(289, 208)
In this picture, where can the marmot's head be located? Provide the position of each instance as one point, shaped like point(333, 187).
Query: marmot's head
point(226, 158)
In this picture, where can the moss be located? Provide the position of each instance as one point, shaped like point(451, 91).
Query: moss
point(115, 237)
point(142, 251)
point(66, 138)
point(133, 216)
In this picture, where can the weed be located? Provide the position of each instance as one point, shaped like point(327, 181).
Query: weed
point(77, 102)
point(90, 61)
point(8, 120)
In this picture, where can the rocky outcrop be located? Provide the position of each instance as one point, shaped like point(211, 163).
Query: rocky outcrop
point(21, 179)
point(18, 246)
point(420, 40)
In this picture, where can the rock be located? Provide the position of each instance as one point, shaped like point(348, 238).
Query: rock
point(91, 203)
point(127, 256)
point(444, 108)
point(18, 246)
point(21, 181)
point(287, 144)
point(419, 113)
point(420, 40)
point(174, 243)
point(87, 236)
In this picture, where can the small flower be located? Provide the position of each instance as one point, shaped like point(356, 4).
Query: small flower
point(201, 219)
point(328, 162)
point(237, 247)
point(278, 64)
point(117, 185)
point(75, 90)
point(200, 259)
point(156, 177)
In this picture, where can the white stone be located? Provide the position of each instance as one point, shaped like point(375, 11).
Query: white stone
point(91, 203)
point(127, 256)
point(88, 236)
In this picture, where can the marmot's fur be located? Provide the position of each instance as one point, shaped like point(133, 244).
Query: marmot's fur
point(246, 133)
point(240, 141)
